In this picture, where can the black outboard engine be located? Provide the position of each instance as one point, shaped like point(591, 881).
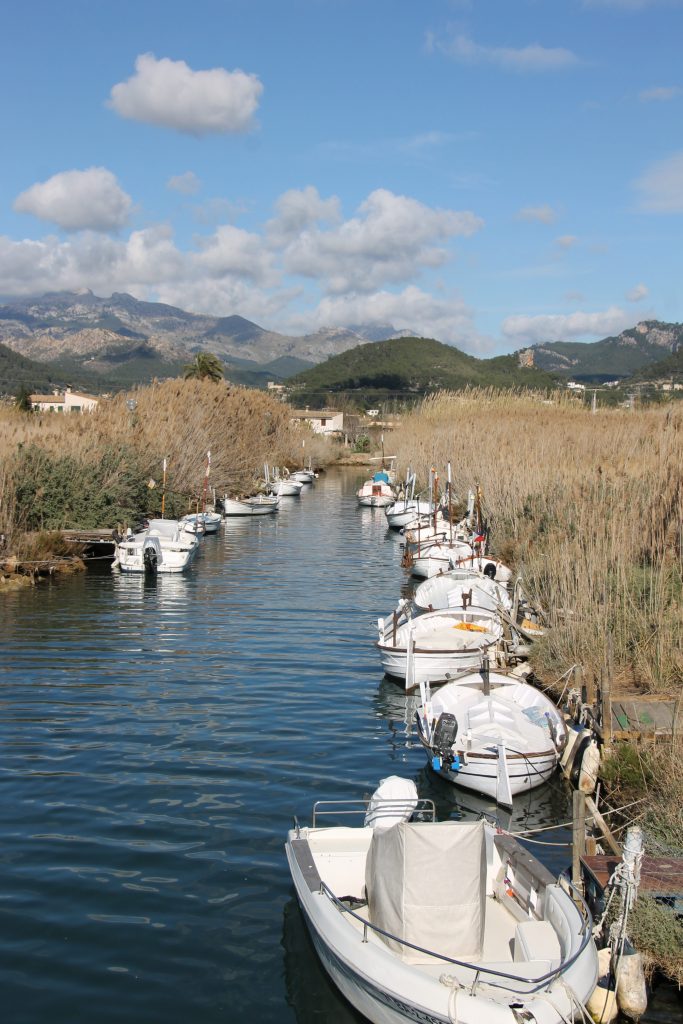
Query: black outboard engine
point(150, 560)
point(442, 743)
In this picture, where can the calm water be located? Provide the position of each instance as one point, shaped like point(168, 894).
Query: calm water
point(158, 736)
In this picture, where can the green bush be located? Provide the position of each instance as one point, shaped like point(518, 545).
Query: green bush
point(55, 492)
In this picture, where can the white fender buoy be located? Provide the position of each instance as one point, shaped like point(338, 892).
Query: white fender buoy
point(590, 765)
point(631, 988)
point(602, 1004)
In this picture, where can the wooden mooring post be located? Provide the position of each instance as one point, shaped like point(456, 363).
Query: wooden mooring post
point(578, 836)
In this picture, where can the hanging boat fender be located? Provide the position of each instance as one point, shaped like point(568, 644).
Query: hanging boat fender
point(602, 1004)
point(590, 766)
point(631, 988)
point(577, 735)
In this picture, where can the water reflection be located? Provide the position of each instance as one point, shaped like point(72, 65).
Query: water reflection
point(310, 993)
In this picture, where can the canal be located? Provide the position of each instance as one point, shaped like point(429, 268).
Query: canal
point(158, 736)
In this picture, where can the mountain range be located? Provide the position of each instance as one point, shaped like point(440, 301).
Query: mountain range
point(103, 343)
point(124, 338)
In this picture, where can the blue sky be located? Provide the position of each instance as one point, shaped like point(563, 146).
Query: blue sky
point(491, 173)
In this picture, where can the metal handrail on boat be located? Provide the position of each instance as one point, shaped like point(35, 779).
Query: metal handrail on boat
point(542, 981)
point(328, 808)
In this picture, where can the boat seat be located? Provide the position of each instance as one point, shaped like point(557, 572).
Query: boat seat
point(535, 941)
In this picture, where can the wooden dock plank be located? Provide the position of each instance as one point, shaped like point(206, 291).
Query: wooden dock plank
point(659, 876)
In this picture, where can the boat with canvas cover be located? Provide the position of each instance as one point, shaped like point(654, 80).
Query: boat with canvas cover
point(441, 922)
point(493, 733)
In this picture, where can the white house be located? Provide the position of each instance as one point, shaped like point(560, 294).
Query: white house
point(69, 401)
point(321, 421)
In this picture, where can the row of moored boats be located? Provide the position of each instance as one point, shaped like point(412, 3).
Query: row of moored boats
point(170, 545)
point(416, 919)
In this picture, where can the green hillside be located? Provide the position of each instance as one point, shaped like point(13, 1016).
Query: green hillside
point(17, 371)
point(612, 358)
point(669, 368)
point(411, 366)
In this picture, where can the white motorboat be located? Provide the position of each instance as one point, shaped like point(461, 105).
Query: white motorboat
point(438, 646)
point(163, 547)
point(457, 589)
point(259, 505)
point(377, 492)
point(441, 922)
point(492, 733)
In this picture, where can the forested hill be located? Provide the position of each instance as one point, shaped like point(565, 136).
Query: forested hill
point(416, 365)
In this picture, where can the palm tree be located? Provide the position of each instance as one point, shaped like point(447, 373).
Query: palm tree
point(205, 366)
point(22, 399)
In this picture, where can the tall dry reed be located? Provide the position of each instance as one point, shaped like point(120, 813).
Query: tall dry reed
point(71, 470)
point(588, 507)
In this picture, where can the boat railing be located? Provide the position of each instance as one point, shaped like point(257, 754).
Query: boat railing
point(482, 974)
point(424, 808)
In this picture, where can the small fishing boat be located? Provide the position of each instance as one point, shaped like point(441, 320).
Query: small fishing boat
point(377, 492)
point(432, 558)
point(492, 733)
point(438, 646)
point(304, 476)
point(457, 589)
point(210, 521)
point(259, 505)
point(163, 547)
point(440, 922)
point(405, 510)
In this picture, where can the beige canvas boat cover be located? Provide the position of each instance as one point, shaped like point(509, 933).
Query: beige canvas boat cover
point(426, 884)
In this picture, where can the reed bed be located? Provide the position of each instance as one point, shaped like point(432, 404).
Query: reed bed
point(587, 507)
point(106, 467)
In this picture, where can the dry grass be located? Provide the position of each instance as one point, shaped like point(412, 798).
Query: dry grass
point(588, 507)
point(120, 450)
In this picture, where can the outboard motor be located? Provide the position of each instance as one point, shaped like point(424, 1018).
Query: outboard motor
point(445, 731)
point(151, 554)
point(393, 801)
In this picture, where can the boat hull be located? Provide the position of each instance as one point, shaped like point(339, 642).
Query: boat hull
point(434, 667)
point(386, 991)
point(233, 507)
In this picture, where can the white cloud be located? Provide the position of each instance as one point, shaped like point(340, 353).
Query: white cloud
point(169, 93)
point(662, 186)
point(231, 251)
point(447, 319)
point(530, 329)
point(298, 210)
point(188, 184)
point(566, 241)
point(388, 242)
point(660, 93)
point(78, 200)
point(638, 292)
point(230, 270)
point(527, 58)
point(543, 214)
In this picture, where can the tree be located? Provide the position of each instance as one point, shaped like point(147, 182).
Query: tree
point(205, 366)
point(23, 399)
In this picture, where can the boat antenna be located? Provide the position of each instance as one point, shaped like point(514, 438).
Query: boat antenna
point(163, 492)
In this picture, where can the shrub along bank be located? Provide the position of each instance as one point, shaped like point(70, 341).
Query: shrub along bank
point(103, 468)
